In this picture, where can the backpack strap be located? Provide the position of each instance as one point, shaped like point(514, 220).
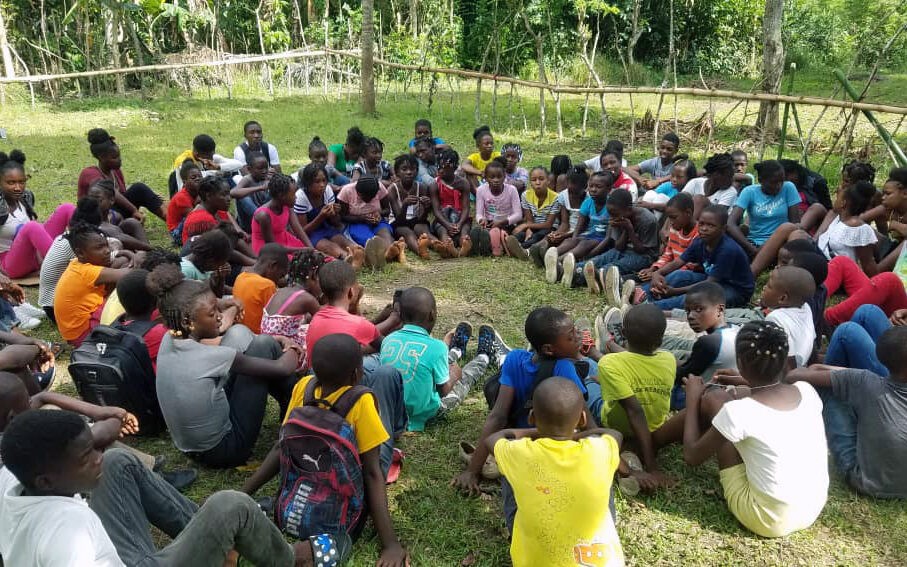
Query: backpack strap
point(344, 403)
point(137, 327)
point(289, 300)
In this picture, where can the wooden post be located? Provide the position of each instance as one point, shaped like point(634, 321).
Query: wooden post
point(790, 89)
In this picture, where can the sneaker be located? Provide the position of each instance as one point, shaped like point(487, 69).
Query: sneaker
point(632, 460)
point(569, 266)
point(628, 485)
point(28, 323)
point(605, 324)
point(627, 290)
point(180, 479)
point(611, 288)
point(584, 330)
point(30, 310)
point(537, 253)
point(550, 262)
point(461, 336)
point(491, 345)
point(489, 468)
point(46, 379)
point(589, 274)
point(515, 248)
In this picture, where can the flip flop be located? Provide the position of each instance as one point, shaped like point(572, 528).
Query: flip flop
point(393, 473)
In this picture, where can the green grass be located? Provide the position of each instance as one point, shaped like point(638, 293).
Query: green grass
point(689, 524)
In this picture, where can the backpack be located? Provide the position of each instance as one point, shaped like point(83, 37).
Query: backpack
point(112, 368)
point(263, 148)
point(519, 414)
point(321, 485)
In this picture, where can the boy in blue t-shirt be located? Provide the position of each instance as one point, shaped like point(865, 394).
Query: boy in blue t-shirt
point(553, 336)
point(423, 130)
point(433, 383)
point(723, 261)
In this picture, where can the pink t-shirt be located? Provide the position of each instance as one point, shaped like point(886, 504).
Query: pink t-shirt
point(358, 207)
point(498, 207)
point(332, 320)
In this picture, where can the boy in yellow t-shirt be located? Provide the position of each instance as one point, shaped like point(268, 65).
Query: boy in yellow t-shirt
point(561, 480)
point(636, 388)
point(337, 364)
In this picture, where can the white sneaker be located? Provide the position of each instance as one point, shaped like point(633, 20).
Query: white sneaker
point(551, 265)
point(28, 323)
point(30, 310)
point(569, 266)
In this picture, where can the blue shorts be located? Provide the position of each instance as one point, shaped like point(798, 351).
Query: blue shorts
point(324, 233)
point(361, 232)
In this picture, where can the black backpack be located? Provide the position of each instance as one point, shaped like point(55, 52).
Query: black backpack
point(263, 148)
point(519, 413)
point(112, 368)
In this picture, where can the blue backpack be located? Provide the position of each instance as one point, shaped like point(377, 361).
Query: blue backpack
point(321, 486)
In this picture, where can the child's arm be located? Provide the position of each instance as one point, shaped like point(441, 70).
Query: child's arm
point(470, 169)
point(91, 411)
point(867, 259)
point(268, 469)
point(299, 230)
point(516, 209)
point(345, 215)
point(264, 224)
point(511, 434)
point(396, 205)
point(816, 375)
point(267, 368)
point(392, 553)
point(465, 193)
point(111, 275)
point(879, 215)
point(636, 417)
point(468, 480)
point(435, 195)
point(697, 449)
point(122, 203)
point(733, 229)
point(582, 222)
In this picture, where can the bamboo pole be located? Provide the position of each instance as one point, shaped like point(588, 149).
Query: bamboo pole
point(896, 149)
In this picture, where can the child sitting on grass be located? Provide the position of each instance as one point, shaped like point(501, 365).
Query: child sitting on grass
point(473, 167)
point(182, 203)
point(786, 293)
point(342, 158)
point(52, 457)
point(129, 232)
point(656, 200)
point(611, 160)
point(373, 163)
point(208, 261)
point(362, 208)
point(319, 214)
point(591, 227)
point(251, 191)
point(422, 130)
point(570, 200)
point(272, 222)
point(717, 187)
point(427, 161)
point(255, 143)
point(450, 205)
point(497, 211)
point(742, 178)
point(513, 173)
point(722, 259)
point(256, 288)
point(337, 367)
point(555, 350)
point(768, 437)
point(540, 213)
point(213, 207)
point(891, 218)
point(682, 230)
point(557, 173)
point(865, 405)
point(660, 167)
point(213, 387)
point(86, 283)
point(410, 204)
point(561, 481)
point(635, 389)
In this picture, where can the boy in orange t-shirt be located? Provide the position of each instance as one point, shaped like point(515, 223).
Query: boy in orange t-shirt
point(256, 288)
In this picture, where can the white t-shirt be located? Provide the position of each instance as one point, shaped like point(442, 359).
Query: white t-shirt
point(273, 158)
point(798, 323)
point(50, 531)
point(840, 239)
point(17, 217)
point(785, 452)
point(657, 198)
point(563, 199)
point(726, 197)
point(594, 163)
point(303, 205)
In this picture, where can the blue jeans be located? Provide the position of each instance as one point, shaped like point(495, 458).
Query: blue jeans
point(387, 384)
point(627, 262)
point(840, 430)
point(8, 318)
point(853, 344)
point(685, 278)
point(245, 208)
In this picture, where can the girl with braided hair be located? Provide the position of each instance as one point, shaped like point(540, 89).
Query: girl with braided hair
point(272, 222)
point(213, 387)
point(513, 173)
point(717, 187)
point(768, 436)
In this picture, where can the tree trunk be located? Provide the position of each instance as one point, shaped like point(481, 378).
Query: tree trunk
point(635, 32)
point(772, 64)
point(367, 74)
point(8, 69)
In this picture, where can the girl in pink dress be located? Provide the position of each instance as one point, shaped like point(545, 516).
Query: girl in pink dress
point(272, 222)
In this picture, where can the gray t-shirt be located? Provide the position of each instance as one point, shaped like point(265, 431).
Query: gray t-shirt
point(881, 409)
point(646, 230)
point(190, 388)
point(655, 168)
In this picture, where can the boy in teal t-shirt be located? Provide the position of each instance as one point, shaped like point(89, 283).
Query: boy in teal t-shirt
point(433, 383)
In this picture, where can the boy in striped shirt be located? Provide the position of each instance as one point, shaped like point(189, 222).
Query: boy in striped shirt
point(683, 229)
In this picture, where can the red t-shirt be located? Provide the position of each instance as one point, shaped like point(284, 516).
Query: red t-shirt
point(178, 203)
point(199, 221)
point(93, 173)
point(152, 339)
point(332, 320)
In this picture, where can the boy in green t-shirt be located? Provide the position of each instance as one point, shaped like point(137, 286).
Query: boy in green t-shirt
point(636, 388)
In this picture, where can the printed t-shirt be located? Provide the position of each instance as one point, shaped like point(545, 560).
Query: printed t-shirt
point(199, 221)
point(766, 212)
point(648, 378)
point(561, 490)
point(477, 162)
point(342, 164)
point(539, 210)
point(520, 370)
point(881, 408)
point(331, 320)
point(505, 206)
point(726, 196)
point(357, 206)
point(50, 530)
point(363, 416)
point(728, 264)
point(254, 291)
point(422, 362)
point(77, 297)
point(181, 201)
point(597, 226)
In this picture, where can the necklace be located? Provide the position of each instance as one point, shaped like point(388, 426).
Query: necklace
point(772, 385)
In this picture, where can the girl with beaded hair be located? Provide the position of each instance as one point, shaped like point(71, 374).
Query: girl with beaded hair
point(513, 173)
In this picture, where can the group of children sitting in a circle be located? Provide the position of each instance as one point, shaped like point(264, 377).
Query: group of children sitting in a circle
point(266, 303)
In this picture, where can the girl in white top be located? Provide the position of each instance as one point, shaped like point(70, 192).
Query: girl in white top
point(768, 435)
point(844, 233)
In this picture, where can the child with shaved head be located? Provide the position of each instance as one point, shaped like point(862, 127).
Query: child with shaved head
point(561, 478)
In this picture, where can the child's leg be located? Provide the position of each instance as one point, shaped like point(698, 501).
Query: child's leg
point(56, 223)
point(888, 262)
point(583, 247)
point(629, 262)
point(851, 346)
point(385, 232)
point(677, 278)
point(840, 429)
point(497, 236)
point(842, 271)
point(27, 250)
point(768, 252)
point(408, 236)
point(813, 216)
point(360, 232)
point(567, 245)
point(537, 236)
point(387, 385)
point(141, 195)
point(134, 229)
point(885, 290)
point(469, 375)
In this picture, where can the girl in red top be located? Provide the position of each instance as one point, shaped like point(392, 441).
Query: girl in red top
point(129, 199)
point(272, 222)
point(183, 201)
point(450, 205)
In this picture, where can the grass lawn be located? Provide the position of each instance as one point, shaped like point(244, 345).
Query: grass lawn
point(687, 525)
